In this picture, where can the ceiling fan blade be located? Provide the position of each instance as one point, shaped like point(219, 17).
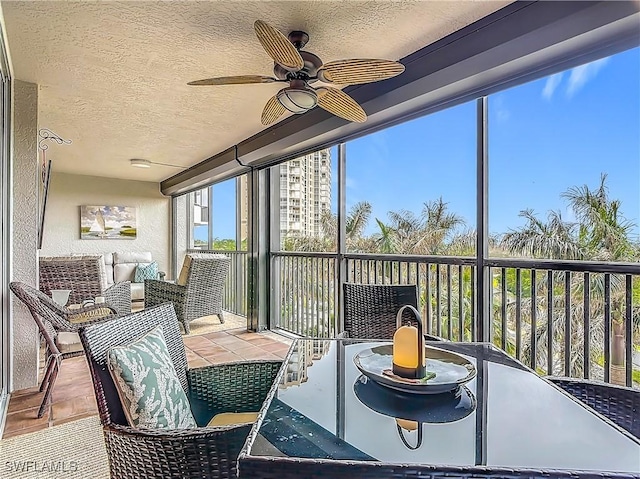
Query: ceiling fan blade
point(340, 104)
point(236, 80)
point(272, 111)
point(278, 46)
point(357, 71)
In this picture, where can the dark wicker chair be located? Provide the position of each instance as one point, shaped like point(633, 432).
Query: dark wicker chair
point(85, 276)
point(201, 293)
point(53, 319)
point(620, 404)
point(203, 452)
point(370, 309)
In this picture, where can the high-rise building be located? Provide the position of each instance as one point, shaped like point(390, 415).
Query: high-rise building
point(305, 192)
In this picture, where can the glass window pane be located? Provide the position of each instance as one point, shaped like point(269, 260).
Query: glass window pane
point(411, 188)
point(565, 163)
point(306, 204)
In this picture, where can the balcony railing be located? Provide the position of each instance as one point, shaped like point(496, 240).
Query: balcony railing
point(568, 318)
point(307, 302)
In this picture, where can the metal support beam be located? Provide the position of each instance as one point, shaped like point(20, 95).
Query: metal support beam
point(210, 235)
point(483, 280)
point(258, 251)
point(342, 236)
point(238, 258)
point(274, 228)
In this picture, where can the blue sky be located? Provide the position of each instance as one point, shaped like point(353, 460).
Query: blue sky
point(544, 137)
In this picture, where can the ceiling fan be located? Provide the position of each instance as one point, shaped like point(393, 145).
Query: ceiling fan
point(301, 69)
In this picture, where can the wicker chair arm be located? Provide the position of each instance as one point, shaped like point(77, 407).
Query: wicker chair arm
point(118, 295)
point(177, 453)
point(158, 292)
point(230, 387)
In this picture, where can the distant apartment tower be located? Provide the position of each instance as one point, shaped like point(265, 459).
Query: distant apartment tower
point(305, 192)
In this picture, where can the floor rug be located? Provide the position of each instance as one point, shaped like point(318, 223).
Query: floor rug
point(74, 450)
point(210, 324)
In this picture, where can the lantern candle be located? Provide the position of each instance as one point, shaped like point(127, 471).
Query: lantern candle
point(408, 347)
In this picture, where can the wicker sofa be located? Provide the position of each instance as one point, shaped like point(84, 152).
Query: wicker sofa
point(121, 266)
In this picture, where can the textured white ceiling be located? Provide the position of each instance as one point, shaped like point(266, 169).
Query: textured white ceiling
point(113, 75)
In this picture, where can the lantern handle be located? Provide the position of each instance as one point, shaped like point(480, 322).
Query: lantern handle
point(404, 440)
point(416, 313)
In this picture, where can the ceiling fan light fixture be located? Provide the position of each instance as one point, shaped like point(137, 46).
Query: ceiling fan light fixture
point(140, 163)
point(297, 99)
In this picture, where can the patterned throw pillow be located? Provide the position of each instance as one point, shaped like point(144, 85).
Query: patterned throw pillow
point(148, 385)
point(149, 271)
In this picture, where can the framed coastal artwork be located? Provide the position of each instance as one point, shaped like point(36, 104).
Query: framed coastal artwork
point(108, 222)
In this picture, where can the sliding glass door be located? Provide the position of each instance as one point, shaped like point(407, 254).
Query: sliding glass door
point(5, 115)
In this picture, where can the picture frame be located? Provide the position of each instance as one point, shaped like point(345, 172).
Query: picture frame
point(104, 222)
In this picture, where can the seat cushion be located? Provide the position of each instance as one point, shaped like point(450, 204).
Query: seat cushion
point(108, 266)
point(184, 272)
point(229, 418)
point(137, 291)
point(148, 385)
point(146, 271)
point(124, 272)
point(68, 342)
point(134, 257)
point(90, 315)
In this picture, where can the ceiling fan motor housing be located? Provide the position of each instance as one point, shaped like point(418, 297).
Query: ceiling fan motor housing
point(308, 72)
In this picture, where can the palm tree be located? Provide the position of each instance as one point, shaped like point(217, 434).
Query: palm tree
point(599, 233)
point(429, 233)
point(553, 239)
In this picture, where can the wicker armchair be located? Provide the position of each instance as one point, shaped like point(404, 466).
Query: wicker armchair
point(370, 309)
point(620, 404)
point(203, 452)
point(198, 291)
point(86, 278)
point(53, 319)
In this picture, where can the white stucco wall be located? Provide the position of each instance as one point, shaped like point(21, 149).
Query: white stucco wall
point(62, 222)
point(24, 229)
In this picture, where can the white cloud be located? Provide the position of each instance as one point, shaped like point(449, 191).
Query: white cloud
point(551, 84)
point(582, 74)
point(502, 112)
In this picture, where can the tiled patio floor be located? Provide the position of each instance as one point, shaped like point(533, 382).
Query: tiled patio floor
point(73, 397)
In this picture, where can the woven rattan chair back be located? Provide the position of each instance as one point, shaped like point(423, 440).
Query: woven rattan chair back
point(370, 309)
point(205, 282)
point(202, 293)
point(98, 339)
point(620, 404)
point(85, 277)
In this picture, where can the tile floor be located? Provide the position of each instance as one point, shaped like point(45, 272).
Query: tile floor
point(73, 398)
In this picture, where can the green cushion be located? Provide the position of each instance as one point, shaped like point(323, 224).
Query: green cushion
point(147, 383)
point(149, 271)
